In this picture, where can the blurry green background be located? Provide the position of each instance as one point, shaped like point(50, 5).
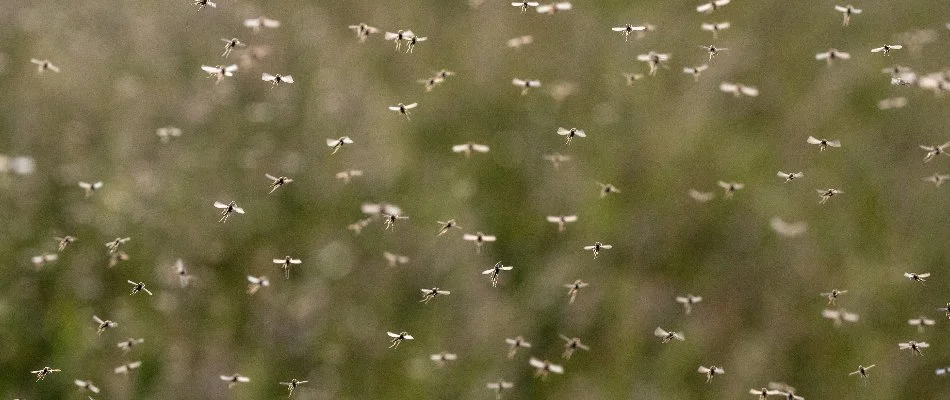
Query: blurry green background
point(131, 67)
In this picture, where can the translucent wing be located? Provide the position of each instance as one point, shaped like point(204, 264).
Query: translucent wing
point(570, 218)
point(411, 105)
point(659, 332)
point(332, 142)
point(210, 70)
point(392, 335)
point(813, 140)
point(460, 148)
point(480, 148)
point(534, 362)
point(287, 78)
point(267, 77)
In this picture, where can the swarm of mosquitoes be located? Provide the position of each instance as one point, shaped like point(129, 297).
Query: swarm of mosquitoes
point(405, 40)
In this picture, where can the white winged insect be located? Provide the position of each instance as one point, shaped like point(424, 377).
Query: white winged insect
point(936, 179)
point(831, 55)
point(942, 371)
point(43, 373)
point(823, 143)
point(934, 151)
point(124, 369)
point(556, 159)
point(544, 368)
point(573, 289)
point(44, 65)
point(654, 60)
point(561, 221)
point(231, 44)
point(712, 50)
point(921, 322)
point(499, 386)
point(261, 22)
point(234, 379)
point(495, 271)
point(90, 188)
point(730, 188)
point(86, 385)
point(517, 42)
point(914, 347)
point(114, 258)
point(840, 316)
point(479, 239)
point(572, 344)
point(946, 310)
point(707, 8)
point(917, 277)
point(442, 357)
point(738, 89)
point(833, 295)
point(345, 176)
point(695, 71)
point(393, 260)
point(825, 194)
point(666, 337)
point(431, 83)
point(276, 79)
point(553, 7)
point(715, 28)
point(183, 277)
point(790, 176)
point(41, 260)
point(763, 393)
point(398, 37)
point(702, 197)
point(446, 226)
point(397, 338)
point(64, 242)
point(227, 210)
point(688, 301)
point(606, 188)
point(429, 294)
point(627, 29)
point(469, 148)
point(389, 220)
point(515, 344)
point(570, 134)
point(277, 181)
point(525, 5)
point(847, 11)
point(255, 283)
point(597, 247)
point(220, 71)
point(285, 264)
point(363, 31)
point(403, 108)
point(862, 371)
point(632, 78)
point(201, 4)
point(886, 49)
point(165, 134)
point(413, 41)
point(127, 345)
point(526, 84)
point(337, 144)
point(103, 325)
point(710, 371)
point(115, 244)
point(139, 287)
point(293, 384)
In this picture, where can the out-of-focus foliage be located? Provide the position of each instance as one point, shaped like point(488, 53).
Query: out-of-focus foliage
point(130, 67)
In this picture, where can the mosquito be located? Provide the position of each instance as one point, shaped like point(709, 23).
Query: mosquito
point(412, 41)
point(398, 37)
point(606, 188)
point(395, 259)
point(654, 60)
point(553, 7)
point(790, 176)
point(942, 371)
point(479, 239)
point(345, 176)
point(730, 188)
point(574, 288)
point(556, 159)
point(544, 368)
point(933, 151)
point(64, 241)
point(86, 385)
point(90, 188)
point(44, 65)
point(571, 345)
point(430, 83)
point(788, 395)
point(826, 194)
point(220, 71)
point(128, 344)
point(525, 5)
point(847, 12)
point(763, 393)
point(446, 226)
point(293, 384)
point(261, 22)
point(862, 371)
point(920, 322)
point(627, 29)
point(688, 301)
point(124, 369)
point(234, 379)
point(711, 6)
point(710, 371)
point(115, 244)
point(917, 277)
point(515, 344)
point(277, 182)
point(182, 273)
point(833, 295)
point(389, 221)
point(695, 71)
point(337, 144)
point(139, 287)
point(712, 50)
point(570, 134)
point(227, 210)
point(41, 260)
point(831, 55)
point(666, 337)
point(404, 109)
point(886, 48)
point(276, 79)
point(103, 324)
point(363, 31)
point(429, 294)
point(738, 89)
point(205, 3)
point(41, 374)
point(469, 148)
point(914, 346)
point(945, 310)
point(715, 28)
point(840, 316)
point(441, 358)
point(702, 197)
point(285, 264)
point(526, 84)
point(499, 386)
point(823, 143)
point(398, 338)
point(561, 221)
point(632, 78)
point(165, 134)
point(495, 271)
point(597, 247)
point(230, 44)
point(255, 284)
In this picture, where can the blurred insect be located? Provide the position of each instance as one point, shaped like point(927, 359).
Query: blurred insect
point(358, 226)
point(114, 245)
point(363, 31)
point(945, 310)
point(470, 147)
point(234, 379)
point(701, 197)
point(441, 358)
point(606, 188)
point(124, 369)
point(380, 209)
point(632, 78)
point(230, 44)
point(345, 176)
point(398, 338)
point(389, 221)
point(561, 221)
point(712, 50)
point(41, 374)
point(412, 41)
point(832, 55)
point(738, 89)
point(544, 368)
point(495, 271)
point(839, 316)
point(139, 287)
point(715, 28)
point(790, 176)
point(862, 371)
point(763, 393)
point(833, 295)
point(823, 143)
point(914, 347)
point(337, 144)
point(526, 84)
point(403, 108)
point(570, 134)
point(90, 188)
point(183, 276)
point(788, 395)
point(710, 371)
point(942, 371)
point(627, 29)
point(695, 71)
point(227, 210)
point(847, 12)
point(129, 344)
point(573, 289)
point(256, 284)
point(446, 226)
point(64, 241)
point(571, 345)
point(825, 194)
point(597, 247)
point(553, 7)
point(917, 277)
point(261, 22)
point(276, 79)
point(920, 322)
point(398, 37)
point(395, 259)
point(892, 103)
point(41, 260)
point(654, 60)
point(220, 71)
point(429, 294)
point(479, 239)
point(205, 3)
point(430, 83)
point(524, 5)
point(499, 386)
point(517, 42)
point(730, 188)
point(933, 151)
point(515, 344)
point(86, 385)
point(165, 134)
point(102, 325)
point(668, 336)
point(711, 6)
point(688, 301)
point(293, 384)
point(556, 159)
point(44, 65)
point(285, 264)
point(886, 48)
point(277, 182)
point(116, 257)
